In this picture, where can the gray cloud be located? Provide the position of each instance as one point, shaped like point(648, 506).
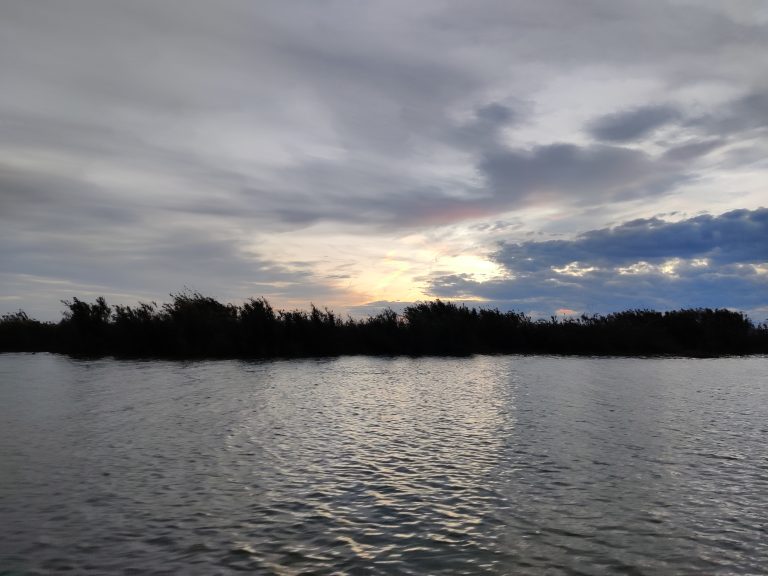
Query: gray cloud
point(483, 131)
point(749, 113)
point(577, 173)
point(662, 34)
point(602, 278)
point(170, 134)
point(693, 150)
point(375, 95)
point(632, 124)
point(740, 236)
point(131, 248)
point(603, 292)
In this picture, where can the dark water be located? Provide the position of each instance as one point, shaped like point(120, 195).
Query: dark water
point(487, 465)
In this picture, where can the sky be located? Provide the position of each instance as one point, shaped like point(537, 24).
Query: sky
point(545, 156)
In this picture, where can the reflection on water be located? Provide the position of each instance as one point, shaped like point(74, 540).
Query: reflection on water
point(490, 465)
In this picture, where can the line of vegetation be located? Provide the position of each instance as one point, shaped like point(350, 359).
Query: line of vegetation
point(197, 326)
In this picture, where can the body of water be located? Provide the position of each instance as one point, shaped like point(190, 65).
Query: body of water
point(483, 465)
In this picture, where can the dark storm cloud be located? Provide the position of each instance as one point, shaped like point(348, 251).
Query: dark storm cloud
point(602, 278)
point(632, 124)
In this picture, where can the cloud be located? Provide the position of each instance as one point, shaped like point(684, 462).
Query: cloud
point(148, 144)
point(377, 307)
point(285, 113)
point(709, 261)
point(483, 131)
point(693, 149)
point(632, 124)
point(747, 113)
point(604, 292)
point(577, 174)
point(739, 236)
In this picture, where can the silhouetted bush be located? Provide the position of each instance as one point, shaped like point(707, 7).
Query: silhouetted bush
point(258, 329)
point(193, 325)
point(19, 333)
point(84, 329)
point(201, 326)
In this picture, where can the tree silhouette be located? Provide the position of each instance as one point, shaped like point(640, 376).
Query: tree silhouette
point(192, 325)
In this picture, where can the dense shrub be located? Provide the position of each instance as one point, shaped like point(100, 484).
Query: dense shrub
point(193, 325)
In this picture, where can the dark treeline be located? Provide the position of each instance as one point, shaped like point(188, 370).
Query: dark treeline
point(193, 325)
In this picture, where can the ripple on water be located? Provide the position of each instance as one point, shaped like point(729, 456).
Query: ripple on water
point(485, 465)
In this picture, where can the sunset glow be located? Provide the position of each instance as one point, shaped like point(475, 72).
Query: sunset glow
point(527, 156)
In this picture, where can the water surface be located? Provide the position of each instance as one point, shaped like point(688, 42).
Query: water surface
point(484, 465)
